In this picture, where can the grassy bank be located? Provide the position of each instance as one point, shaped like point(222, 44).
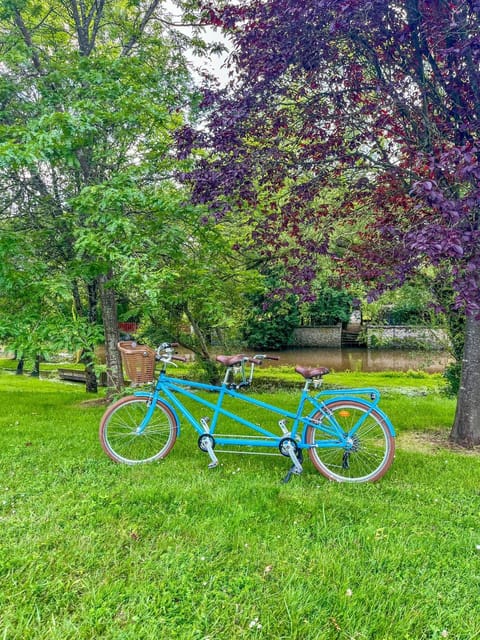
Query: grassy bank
point(90, 549)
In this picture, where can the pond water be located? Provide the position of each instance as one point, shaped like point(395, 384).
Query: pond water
point(363, 359)
point(357, 359)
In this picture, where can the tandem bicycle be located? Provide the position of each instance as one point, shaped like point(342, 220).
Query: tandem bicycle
point(347, 436)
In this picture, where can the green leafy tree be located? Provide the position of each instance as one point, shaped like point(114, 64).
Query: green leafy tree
point(195, 289)
point(37, 314)
point(271, 317)
point(331, 306)
point(90, 95)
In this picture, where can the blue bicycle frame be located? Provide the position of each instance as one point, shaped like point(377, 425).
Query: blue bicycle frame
point(168, 388)
point(347, 436)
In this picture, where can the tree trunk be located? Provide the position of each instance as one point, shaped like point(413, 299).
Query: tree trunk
point(20, 364)
point(466, 428)
point(87, 356)
point(201, 349)
point(110, 327)
point(36, 367)
point(91, 381)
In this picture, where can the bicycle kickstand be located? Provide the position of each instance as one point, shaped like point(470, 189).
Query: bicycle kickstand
point(296, 468)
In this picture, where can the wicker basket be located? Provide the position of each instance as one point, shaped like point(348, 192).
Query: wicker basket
point(138, 362)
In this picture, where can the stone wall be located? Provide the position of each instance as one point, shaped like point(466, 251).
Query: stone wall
point(404, 336)
point(318, 336)
point(400, 336)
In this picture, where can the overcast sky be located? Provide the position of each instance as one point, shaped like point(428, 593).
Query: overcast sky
point(216, 63)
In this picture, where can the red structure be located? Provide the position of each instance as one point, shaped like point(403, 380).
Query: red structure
point(128, 327)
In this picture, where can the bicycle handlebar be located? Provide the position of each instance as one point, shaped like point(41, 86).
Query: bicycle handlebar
point(167, 345)
point(260, 357)
point(164, 353)
point(180, 358)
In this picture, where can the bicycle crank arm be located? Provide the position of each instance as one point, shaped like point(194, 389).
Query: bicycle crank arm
point(213, 457)
point(296, 468)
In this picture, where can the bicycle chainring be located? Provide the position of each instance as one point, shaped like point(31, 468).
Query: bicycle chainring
point(204, 439)
point(286, 445)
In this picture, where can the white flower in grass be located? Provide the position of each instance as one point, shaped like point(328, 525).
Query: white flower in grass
point(254, 624)
point(349, 592)
point(444, 633)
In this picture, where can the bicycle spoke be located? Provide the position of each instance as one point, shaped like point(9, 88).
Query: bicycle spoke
point(124, 443)
point(366, 452)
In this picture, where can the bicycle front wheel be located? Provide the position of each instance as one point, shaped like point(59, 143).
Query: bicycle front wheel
point(367, 452)
point(121, 439)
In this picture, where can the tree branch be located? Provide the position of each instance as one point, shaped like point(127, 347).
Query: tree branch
point(145, 20)
point(27, 39)
point(86, 32)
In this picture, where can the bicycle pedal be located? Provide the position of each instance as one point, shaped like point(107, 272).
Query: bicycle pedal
point(283, 426)
point(212, 465)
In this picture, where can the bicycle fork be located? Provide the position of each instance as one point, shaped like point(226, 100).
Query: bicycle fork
point(152, 403)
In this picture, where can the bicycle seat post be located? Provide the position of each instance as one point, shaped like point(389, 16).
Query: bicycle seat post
point(226, 377)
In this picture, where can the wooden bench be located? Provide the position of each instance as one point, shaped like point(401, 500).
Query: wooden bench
point(77, 375)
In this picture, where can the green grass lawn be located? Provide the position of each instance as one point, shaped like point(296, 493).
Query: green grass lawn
point(90, 549)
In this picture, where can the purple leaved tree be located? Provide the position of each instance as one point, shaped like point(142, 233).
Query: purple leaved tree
point(359, 115)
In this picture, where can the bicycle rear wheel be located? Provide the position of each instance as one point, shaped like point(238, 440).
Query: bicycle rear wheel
point(121, 441)
point(369, 452)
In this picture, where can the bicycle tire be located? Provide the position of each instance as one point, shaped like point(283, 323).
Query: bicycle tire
point(118, 428)
point(373, 448)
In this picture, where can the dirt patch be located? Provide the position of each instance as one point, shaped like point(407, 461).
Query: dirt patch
point(95, 402)
point(432, 442)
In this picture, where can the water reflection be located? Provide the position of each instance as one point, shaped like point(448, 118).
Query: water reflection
point(357, 359)
point(366, 359)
